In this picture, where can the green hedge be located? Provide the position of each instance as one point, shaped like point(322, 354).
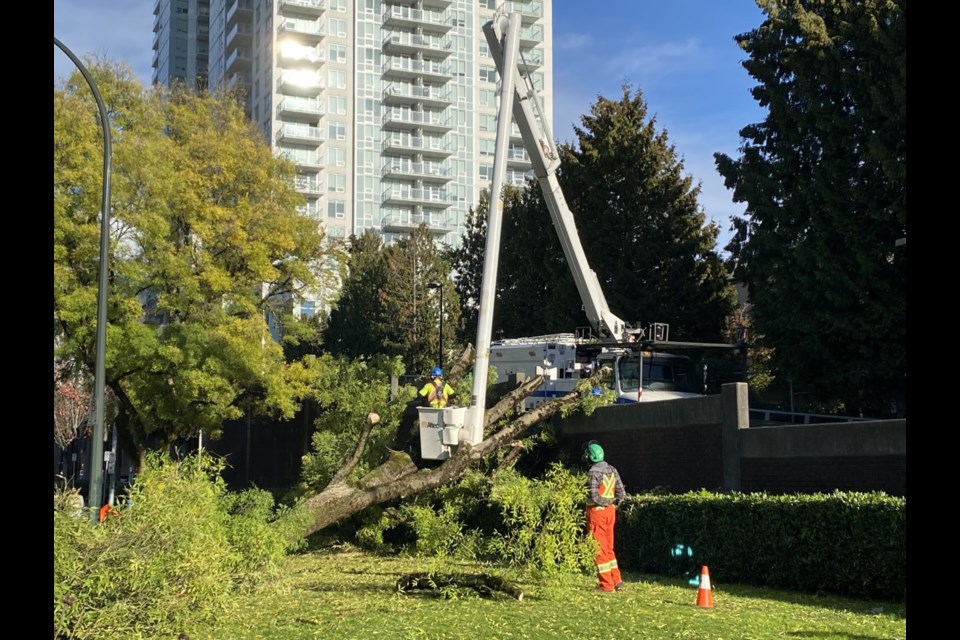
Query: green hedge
point(852, 544)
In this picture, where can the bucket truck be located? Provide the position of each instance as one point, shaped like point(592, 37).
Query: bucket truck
point(638, 373)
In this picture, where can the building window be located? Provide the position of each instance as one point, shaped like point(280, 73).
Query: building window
point(337, 79)
point(337, 183)
point(307, 309)
point(337, 105)
point(337, 53)
point(336, 157)
point(337, 131)
point(336, 209)
point(338, 27)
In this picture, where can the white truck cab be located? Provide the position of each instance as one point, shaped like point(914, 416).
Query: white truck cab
point(638, 375)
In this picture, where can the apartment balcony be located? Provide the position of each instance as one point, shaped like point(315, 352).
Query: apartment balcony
point(309, 185)
point(403, 169)
point(300, 134)
point(531, 36)
point(433, 4)
point(295, 82)
point(410, 222)
point(307, 30)
point(402, 93)
point(240, 59)
point(240, 79)
point(403, 17)
point(239, 10)
point(311, 209)
point(404, 195)
point(396, 44)
point(529, 12)
point(310, 8)
point(240, 34)
point(519, 178)
point(517, 157)
point(308, 162)
point(404, 143)
point(408, 119)
point(407, 69)
point(295, 54)
point(292, 107)
point(530, 60)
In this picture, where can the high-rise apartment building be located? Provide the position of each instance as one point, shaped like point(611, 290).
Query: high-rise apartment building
point(181, 36)
point(387, 107)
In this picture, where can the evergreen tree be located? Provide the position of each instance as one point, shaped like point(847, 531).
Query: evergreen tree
point(411, 311)
point(641, 229)
point(824, 180)
point(358, 313)
point(467, 262)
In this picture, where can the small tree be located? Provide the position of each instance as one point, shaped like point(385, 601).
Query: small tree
point(72, 402)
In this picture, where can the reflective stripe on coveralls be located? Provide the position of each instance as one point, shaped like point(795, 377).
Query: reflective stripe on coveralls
point(600, 523)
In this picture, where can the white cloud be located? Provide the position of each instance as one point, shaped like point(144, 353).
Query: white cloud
point(570, 41)
point(654, 59)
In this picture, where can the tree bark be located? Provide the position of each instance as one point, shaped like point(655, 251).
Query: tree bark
point(399, 477)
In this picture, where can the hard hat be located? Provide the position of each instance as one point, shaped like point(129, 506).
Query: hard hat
point(436, 373)
point(595, 452)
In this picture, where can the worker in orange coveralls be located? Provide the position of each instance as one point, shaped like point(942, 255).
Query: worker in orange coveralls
point(107, 511)
point(605, 491)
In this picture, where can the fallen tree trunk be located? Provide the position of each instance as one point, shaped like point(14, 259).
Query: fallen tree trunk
point(399, 477)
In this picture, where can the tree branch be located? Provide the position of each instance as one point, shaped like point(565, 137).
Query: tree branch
point(344, 472)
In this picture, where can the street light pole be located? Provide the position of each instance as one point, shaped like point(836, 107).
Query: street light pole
point(438, 285)
point(95, 497)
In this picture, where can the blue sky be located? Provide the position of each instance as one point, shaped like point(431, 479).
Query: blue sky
point(679, 53)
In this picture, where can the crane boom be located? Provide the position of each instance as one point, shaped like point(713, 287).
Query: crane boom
point(538, 141)
point(519, 97)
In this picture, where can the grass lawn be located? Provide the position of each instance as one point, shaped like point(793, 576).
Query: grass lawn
point(345, 595)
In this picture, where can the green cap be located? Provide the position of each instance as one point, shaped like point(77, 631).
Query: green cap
point(595, 452)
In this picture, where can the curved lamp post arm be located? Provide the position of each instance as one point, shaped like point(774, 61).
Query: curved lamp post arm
point(96, 451)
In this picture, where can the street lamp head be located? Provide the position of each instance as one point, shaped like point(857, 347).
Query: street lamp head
point(434, 285)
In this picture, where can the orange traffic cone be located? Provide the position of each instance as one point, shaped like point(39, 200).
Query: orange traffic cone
point(704, 593)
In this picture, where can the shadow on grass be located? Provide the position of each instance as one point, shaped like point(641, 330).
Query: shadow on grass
point(832, 634)
point(822, 600)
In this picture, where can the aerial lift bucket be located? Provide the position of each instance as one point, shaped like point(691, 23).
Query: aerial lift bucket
point(440, 430)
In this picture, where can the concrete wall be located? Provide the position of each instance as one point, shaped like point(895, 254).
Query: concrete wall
point(707, 443)
point(849, 456)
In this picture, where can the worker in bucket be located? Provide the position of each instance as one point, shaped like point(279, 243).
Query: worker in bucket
point(605, 491)
point(436, 392)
